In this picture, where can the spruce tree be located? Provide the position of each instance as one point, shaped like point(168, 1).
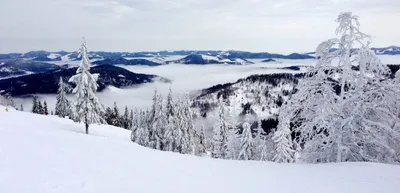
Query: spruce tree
point(63, 106)
point(125, 119)
point(247, 144)
point(201, 142)
point(283, 143)
point(130, 119)
point(40, 108)
point(219, 143)
point(170, 129)
point(21, 108)
point(158, 122)
point(45, 110)
point(35, 105)
point(87, 106)
point(116, 119)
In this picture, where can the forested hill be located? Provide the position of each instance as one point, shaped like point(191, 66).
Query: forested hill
point(47, 83)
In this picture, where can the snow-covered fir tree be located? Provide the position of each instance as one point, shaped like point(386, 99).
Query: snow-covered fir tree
point(115, 118)
point(130, 119)
point(142, 130)
point(21, 108)
point(187, 126)
point(35, 105)
point(157, 122)
point(40, 108)
point(233, 146)
point(87, 106)
point(219, 141)
point(170, 129)
point(200, 140)
point(45, 109)
point(258, 141)
point(108, 114)
point(7, 100)
point(63, 106)
point(283, 143)
point(247, 143)
point(125, 119)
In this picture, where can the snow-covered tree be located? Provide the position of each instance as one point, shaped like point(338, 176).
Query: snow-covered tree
point(247, 144)
point(7, 100)
point(87, 106)
point(21, 108)
point(143, 129)
point(45, 109)
point(157, 122)
point(170, 129)
point(125, 119)
point(40, 108)
point(108, 115)
point(258, 141)
point(187, 126)
point(63, 106)
point(135, 124)
point(219, 141)
point(337, 110)
point(283, 142)
point(116, 118)
point(130, 119)
point(35, 105)
point(233, 146)
point(200, 141)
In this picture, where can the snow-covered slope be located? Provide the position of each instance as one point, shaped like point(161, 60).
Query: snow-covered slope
point(46, 154)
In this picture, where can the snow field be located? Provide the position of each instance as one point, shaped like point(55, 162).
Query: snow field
point(41, 154)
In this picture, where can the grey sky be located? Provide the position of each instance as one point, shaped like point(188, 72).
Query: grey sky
point(144, 25)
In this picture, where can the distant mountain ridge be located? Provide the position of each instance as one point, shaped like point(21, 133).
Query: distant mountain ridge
point(47, 83)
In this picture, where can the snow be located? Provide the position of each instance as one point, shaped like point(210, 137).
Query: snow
point(47, 154)
point(53, 55)
point(207, 57)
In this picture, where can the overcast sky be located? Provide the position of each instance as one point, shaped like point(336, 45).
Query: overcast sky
point(281, 26)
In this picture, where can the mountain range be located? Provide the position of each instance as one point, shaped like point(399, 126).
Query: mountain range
point(47, 82)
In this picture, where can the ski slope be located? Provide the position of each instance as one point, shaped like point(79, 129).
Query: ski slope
point(43, 154)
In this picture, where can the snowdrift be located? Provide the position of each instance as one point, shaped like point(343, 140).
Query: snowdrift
point(41, 154)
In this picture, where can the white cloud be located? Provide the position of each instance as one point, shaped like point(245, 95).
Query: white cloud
point(134, 25)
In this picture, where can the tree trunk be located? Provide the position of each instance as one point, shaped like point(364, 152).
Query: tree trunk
point(87, 128)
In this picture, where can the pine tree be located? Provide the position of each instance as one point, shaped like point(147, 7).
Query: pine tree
point(40, 108)
point(116, 119)
point(283, 143)
point(157, 123)
point(187, 126)
point(125, 119)
point(170, 129)
point(63, 106)
point(219, 142)
point(108, 115)
point(247, 144)
point(142, 132)
point(259, 142)
point(45, 110)
point(87, 105)
point(233, 146)
point(21, 108)
point(131, 119)
point(35, 105)
point(201, 142)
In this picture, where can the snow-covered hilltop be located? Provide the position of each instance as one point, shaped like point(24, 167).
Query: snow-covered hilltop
point(48, 154)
